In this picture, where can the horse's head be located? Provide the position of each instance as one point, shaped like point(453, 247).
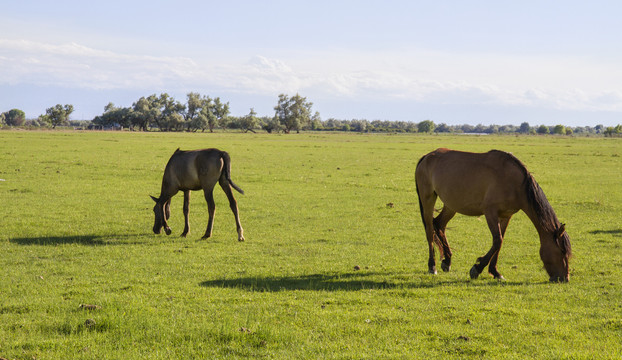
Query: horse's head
point(162, 212)
point(555, 254)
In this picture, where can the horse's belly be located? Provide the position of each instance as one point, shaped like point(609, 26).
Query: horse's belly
point(476, 207)
point(465, 209)
point(190, 180)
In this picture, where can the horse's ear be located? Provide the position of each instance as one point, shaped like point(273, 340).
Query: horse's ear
point(561, 230)
point(154, 198)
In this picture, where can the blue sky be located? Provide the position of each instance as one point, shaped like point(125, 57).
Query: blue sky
point(454, 62)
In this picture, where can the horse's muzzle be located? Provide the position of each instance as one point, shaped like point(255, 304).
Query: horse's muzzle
point(559, 279)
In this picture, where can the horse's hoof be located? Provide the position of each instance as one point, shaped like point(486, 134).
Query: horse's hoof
point(474, 273)
point(432, 270)
point(445, 266)
point(240, 239)
point(500, 278)
point(168, 231)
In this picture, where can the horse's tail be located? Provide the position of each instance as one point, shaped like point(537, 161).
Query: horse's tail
point(227, 171)
point(436, 238)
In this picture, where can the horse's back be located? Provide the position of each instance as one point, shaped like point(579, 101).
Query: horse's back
point(188, 169)
point(493, 164)
point(470, 182)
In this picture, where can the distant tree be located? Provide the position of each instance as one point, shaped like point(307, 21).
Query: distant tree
point(466, 128)
point(171, 117)
point(13, 117)
point(203, 112)
point(193, 106)
point(359, 125)
point(57, 115)
point(316, 121)
point(524, 128)
point(442, 128)
point(208, 117)
point(272, 125)
point(293, 113)
point(333, 124)
point(114, 116)
point(426, 126)
point(507, 129)
point(221, 113)
point(543, 129)
point(249, 122)
point(492, 129)
point(569, 131)
point(145, 112)
point(559, 130)
point(193, 110)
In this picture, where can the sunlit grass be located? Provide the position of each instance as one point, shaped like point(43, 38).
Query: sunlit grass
point(76, 229)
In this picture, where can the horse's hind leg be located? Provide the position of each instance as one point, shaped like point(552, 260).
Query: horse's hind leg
point(211, 208)
point(427, 199)
point(224, 184)
point(440, 224)
point(186, 210)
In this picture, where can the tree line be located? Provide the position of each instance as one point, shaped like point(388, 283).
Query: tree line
point(204, 113)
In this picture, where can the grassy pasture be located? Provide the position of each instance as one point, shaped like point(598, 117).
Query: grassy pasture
point(76, 229)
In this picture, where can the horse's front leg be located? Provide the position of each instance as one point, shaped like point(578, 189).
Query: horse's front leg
point(497, 238)
point(492, 268)
point(186, 210)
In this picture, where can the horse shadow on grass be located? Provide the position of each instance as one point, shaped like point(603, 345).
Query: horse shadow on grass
point(616, 232)
point(340, 282)
point(86, 240)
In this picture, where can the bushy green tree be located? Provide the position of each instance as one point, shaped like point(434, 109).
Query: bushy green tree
point(145, 111)
point(293, 113)
point(272, 125)
point(524, 128)
point(170, 113)
point(13, 117)
point(249, 122)
point(114, 116)
point(57, 115)
point(426, 126)
point(543, 129)
point(221, 113)
point(199, 114)
point(613, 131)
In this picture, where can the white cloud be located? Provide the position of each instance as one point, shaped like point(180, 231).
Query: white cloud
point(417, 76)
point(74, 65)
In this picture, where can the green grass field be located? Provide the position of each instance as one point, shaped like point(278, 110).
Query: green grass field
point(76, 229)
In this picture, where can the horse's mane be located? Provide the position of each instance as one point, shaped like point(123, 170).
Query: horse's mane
point(539, 203)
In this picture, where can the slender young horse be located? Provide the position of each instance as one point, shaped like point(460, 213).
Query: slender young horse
point(195, 170)
point(494, 184)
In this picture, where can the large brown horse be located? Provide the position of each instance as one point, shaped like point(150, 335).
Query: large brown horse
point(494, 184)
point(195, 170)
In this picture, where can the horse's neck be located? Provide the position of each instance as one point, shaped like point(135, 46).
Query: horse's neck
point(537, 222)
